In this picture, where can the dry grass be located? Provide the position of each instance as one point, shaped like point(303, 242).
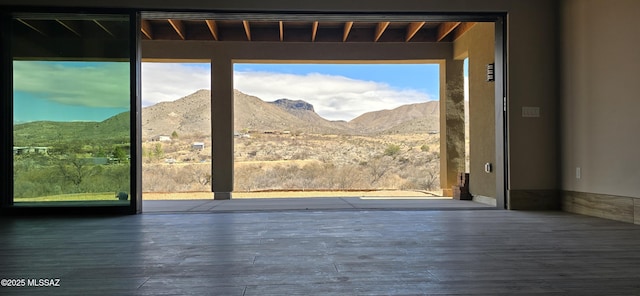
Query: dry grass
point(299, 163)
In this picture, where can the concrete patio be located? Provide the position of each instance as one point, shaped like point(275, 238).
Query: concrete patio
point(315, 203)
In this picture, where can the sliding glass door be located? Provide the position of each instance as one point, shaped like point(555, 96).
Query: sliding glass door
point(73, 82)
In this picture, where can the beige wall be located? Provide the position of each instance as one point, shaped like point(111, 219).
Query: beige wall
point(532, 65)
point(600, 63)
point(600, 94)
point(479, 46)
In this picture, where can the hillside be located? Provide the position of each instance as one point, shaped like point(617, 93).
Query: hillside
point(188, 115)
point(404, 119)
point(305, 111)
point(44, 133)
point(191, 115)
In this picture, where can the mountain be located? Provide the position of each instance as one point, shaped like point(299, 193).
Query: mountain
point(188, 115)
point(305, 111)
point(43, 133)
point(297, 105)
point(192, 115)
point(404, 119)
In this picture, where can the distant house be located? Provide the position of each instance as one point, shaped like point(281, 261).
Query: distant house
point(197, 146)
point(28, 150)
point(161, 139)
point(241, 135)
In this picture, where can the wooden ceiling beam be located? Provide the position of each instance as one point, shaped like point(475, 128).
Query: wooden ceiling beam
point(247, 29)
point(281, 26)
point(463, 28)
point(32, 27)
point(412, 30)
point(314, 31)
point(178, 26)
point(69, 26)
point(347, 30)
point(213, 28)
point(146, 29)
point(103, 28)
point(380, 28)
point(445, 28)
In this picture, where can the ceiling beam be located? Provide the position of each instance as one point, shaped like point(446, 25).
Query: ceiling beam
point(347, 30)
point(146, 29)
point(247, 29)
point(69, 27)
point(314, 31)
point(380, 28)
point(103, 28)
point(463, 28)
point(445, 28)
point(213, 28)
point(178, 26)
point(412, 30)
point(281, 25)
point(32, 27)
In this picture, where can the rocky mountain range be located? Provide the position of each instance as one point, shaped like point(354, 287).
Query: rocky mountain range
point(192, 115)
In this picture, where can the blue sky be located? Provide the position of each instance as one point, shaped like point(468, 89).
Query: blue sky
point(419, 77)
point(86, 91)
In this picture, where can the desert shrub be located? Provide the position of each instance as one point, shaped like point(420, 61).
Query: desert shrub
point(392, 150)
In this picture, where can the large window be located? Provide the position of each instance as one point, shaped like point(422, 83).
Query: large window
point(71, 109)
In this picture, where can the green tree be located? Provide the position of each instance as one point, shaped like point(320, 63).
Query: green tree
point(174, 135)
point(392, 150)
point(158, 151)
point(75, 170)
point(120, 154)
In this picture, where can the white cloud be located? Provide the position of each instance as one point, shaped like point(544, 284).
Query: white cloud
point(168, 81)
point(333, 97)
point(88, 84)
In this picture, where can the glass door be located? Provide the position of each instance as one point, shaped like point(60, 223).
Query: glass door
point(73, 100)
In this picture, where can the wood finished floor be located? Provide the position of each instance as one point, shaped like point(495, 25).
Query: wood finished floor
point(339, 252)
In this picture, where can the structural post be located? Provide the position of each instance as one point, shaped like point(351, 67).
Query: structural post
point(452, 145)
point(222, 127)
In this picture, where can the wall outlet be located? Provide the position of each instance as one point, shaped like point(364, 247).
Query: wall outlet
point(531, 112)
point(488, 168)
point(578, 173)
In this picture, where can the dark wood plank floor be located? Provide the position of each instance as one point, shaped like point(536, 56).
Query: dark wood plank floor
point(354, 252)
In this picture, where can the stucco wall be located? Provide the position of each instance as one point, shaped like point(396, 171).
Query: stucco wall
point(479, 46)
point(600, 121)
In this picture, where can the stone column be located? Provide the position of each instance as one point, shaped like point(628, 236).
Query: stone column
point(452, 145)
point(222, 127)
